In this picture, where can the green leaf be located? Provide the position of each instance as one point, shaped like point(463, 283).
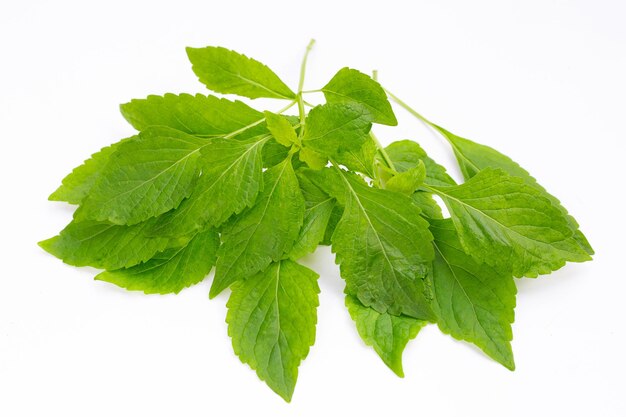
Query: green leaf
point(425, 201)
point(312, 158)
point(271, 320)
point(473, 158)
point(77, 185)
point(333, 221)
point(230, 182)
point(172, 270)
point(508, 224)
point(384, 249)
point(265, 232)
point(331, 129)
point(406, 154)
point(273, 153)
point(196, 115)
point(352, 86)
point(360, 160)
point(282, 130)
point(386, 333)
point(409, 181)
point(318, 209)
point(473, 301)
point(228, 72)
point(145, 177)
point(105, 245)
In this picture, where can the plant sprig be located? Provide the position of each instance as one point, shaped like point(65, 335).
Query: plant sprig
point(211, 182)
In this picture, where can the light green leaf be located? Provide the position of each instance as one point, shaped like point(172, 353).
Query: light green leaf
point(265, 232)
point(228, 72)
point(171, 270)
point(406, 154)
point(282, 130)
point(510, 225)
point(196, 115)
point(230, 182)
point(271, 320)
point(473, 157)
point(473, 301)
point(360, 160)
point(145, 177)
point(409, 181)
point(76, 186)
point(331, 129)
point(318, 209)
point(425, 201)
point(384, 249)
point(105, 245)
point(313, 159)
point(352, 86)
point(387, 334)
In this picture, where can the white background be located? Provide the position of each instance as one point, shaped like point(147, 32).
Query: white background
point(542, 81)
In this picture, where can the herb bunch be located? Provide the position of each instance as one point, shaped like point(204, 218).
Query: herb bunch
point(210, 181)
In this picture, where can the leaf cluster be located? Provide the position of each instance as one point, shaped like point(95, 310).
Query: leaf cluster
point(210, 182)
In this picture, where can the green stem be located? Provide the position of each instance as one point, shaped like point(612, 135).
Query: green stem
point(303, 65)
point(408, 108)
point(299, 99)
point(383, 152)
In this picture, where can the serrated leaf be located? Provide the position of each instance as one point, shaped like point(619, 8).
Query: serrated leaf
point(318, 209)
point(406, 154)
point(194, 114)
point(312, 159)
point(265, 232)
point(386, 333)
point(333, 221)
point(171, 270)
point(409, 181)
point(352, 86)
point(145, 177)
point(384, 249)
point(473, 157)
point(508, 224)
point(281, 129)
point(473, 301)
point(77, 185)
point(359, 160)
point(271, 320)
point(331, 129)
point(230, 182)
point(425, 201)
point(105, 245)
point(228, 72)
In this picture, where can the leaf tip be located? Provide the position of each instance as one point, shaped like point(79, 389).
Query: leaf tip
point(397, 369)
point(49, 245)
point(508, 363)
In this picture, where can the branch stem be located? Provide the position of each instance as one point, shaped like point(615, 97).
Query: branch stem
point(408, 108)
